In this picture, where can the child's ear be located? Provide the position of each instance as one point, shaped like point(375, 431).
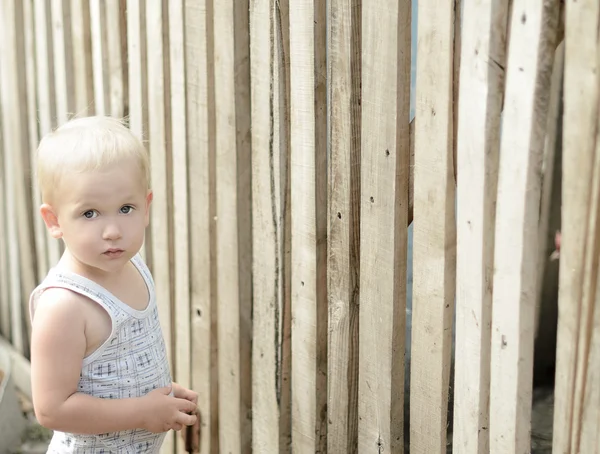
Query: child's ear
point(149, 197)
point(51, 221)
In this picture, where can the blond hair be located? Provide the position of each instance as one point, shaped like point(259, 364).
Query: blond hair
point(87, 144)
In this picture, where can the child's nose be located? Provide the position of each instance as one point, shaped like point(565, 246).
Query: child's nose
point(112, 232)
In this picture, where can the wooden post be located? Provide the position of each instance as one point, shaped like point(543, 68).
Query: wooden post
point(117, 75)
point(46, 99)
point(517, 214)
point(344, 44)
point(100, 57)
point(270, 162)
point(158, 90)
point(62, 59)
point(83, 78)
point(577, 363)
point(309, 224)
point(478, 143)
point(384, 167)
point(15, 135)
point(201, 172)
point(434, 240)
point(181, 192)
point(234, 244)
point(5, 265)
point(34, 197)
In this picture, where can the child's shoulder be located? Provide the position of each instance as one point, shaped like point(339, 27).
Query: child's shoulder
point(60, 301)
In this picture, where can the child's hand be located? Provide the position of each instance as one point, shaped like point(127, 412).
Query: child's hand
point(191, 436)
point(163, 412)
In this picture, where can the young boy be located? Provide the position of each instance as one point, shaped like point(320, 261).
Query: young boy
point(100, 376)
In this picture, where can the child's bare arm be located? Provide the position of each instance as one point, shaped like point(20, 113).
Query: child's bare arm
point(57, 350)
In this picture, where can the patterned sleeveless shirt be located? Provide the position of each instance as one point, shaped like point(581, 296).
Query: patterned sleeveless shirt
point(131, 363)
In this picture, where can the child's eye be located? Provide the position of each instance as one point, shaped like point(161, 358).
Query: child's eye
point(126, 209)
point(90, 214)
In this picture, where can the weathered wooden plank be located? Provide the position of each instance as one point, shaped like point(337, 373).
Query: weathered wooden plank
point(34, 197)
point(344, 44)
point(434, 253)
point(478, 142)
point(383, 221)
point(180, 232)
point(46, 105)
point(234, 244)
point(62, 59)
point(100, 57)
point(515, 258)
point(266, 234)
point(15, 135)
point(138, 87)
point(201, 150)
point(5, 275)
point(309, 225)
point(83, 78)
point(157, 135)
point(281, 138)
point(580, 144)
point(117, 75)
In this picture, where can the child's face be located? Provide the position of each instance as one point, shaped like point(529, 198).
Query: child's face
point(101, 216)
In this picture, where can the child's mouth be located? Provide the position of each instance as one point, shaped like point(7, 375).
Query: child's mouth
point(113, 253)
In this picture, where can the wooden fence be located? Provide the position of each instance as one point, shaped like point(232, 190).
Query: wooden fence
point(282, 173)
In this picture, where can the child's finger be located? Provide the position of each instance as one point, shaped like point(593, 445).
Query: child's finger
point(185, 419)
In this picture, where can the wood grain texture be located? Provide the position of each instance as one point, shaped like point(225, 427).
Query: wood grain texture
point(344, 44)
point(478, 143)
point(100, 57)
point(15, 136)
point(309, 224)
point(434, 240)
point(267, 232)
point(517, 217)
point(46, 105)
point(234, 242)
point(156, 28)
point(83, 76)
point(576, 326)
point(180, 213)
point(34, 200)
point(201, 172)
point(62, 59)
point(116, 43)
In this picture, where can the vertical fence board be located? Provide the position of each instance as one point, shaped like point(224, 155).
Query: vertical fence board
point(5, 273)
point(116, 36)
point(200, 142)
point(281, 138)
point(344, 44)
point(34, 202)
point(62, 59)
point(478, 143)
point(309, 225)
point(434, 230)
point(15, 135)
point(100, 57)
point(157, 134)
point(383, 224)
point(83, 82)
point(266, 234)
point(180, 233)
point(580, 141)
point(517, 215)
point(46, 105)
point(233, 196)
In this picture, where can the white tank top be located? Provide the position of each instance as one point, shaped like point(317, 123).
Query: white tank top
point(131, 363)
